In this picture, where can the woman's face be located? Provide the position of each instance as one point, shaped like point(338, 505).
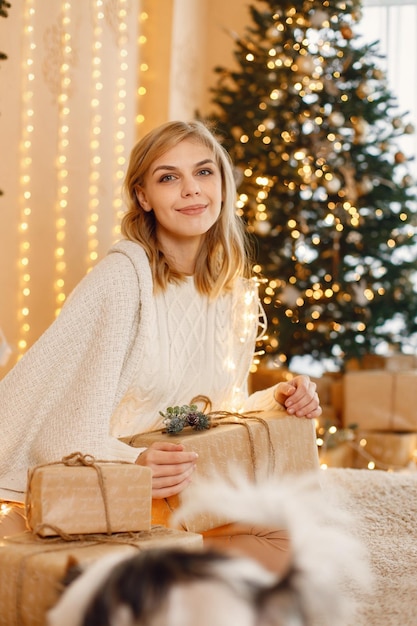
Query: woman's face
point(184, 189)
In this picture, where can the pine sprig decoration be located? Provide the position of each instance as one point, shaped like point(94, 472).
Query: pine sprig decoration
point(176, 418)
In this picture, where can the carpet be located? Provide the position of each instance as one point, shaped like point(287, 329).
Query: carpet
point(384, 507)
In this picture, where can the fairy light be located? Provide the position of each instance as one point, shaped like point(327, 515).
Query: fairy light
point(61, 202)
point(143, 65)
point(25, 177)
point(120, 155)
point(95, 135)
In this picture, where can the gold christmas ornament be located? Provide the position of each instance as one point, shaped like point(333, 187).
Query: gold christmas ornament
point(400, 157)
point(346, 31)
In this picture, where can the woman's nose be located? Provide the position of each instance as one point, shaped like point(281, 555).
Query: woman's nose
point(190, 186)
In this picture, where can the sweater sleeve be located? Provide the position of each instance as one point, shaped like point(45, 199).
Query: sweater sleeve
point(60, 396)
point(262, 400)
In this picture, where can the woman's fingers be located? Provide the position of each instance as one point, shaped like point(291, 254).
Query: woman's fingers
point(172, 467)
point(164, 487)
point(299, 397)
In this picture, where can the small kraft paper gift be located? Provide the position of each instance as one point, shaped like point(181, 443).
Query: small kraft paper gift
point(32, 569)
point(381, 400)
point(80, 495)
point(257, 445)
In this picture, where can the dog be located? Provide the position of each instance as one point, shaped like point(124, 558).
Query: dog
point(174, 587)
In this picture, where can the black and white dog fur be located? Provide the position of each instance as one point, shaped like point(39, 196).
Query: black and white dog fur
point(174, 587)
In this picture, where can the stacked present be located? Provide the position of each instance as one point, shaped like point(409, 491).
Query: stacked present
point(80, 509)
point(329, 388)
point(257, 445)
point(77, 510)
point(382, 406)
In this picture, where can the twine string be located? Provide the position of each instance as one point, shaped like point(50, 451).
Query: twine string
point(54, 544)
point(75, 459)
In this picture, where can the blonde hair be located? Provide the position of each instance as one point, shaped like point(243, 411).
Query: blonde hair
point(225, 253)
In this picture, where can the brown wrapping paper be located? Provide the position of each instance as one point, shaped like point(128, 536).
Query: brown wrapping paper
point(70, 499)
point(381, 400)
point(342, 455)
point(31, 568)
point(271, 444)
point(386, 450)
point(392, 362)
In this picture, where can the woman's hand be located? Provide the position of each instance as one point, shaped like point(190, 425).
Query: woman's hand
point(299, 397)
point(171, 467)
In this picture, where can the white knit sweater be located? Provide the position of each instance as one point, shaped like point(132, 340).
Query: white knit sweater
point(115, 357)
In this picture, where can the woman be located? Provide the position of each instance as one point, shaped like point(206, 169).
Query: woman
point(170, 313)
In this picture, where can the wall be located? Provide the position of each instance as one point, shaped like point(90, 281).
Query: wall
point(82, 82)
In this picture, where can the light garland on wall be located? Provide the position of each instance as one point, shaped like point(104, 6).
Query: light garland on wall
point(120, 150)
point(95, 135)
point(107, 19)
point(25, 174)
point(143, 66)
point(61, 202)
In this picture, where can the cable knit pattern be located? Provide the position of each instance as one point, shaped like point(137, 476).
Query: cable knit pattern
point(114, 357)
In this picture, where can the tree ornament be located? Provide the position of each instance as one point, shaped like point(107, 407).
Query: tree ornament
point(289, 295)
point(262, 227)
point(346, 31)
point(305, 64)
point(408, 181)
point(400, 157)
point(336, 118)
point(333, 185)
point(364, 186)
point(319, 18)
point(378, 74)
point(364, 90)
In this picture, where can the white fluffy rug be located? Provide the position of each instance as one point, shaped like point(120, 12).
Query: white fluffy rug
point(385, 507)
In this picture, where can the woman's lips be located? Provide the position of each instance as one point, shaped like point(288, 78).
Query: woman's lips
point(195, 209)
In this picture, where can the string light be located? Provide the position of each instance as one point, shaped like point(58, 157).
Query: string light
point(27, 126)
point(333, 437)
point(120, 150)
point(95, 135)
point(143, 65)
point(61, 202)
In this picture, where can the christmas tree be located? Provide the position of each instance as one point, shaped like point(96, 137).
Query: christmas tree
point(313, 130)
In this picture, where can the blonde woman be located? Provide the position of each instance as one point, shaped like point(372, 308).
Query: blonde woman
point(170, 313)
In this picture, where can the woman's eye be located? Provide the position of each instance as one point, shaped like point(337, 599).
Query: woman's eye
point(205, 172)
point(166, 178)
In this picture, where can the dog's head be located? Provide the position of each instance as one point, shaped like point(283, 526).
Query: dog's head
point(170, 587)
point(173, 587)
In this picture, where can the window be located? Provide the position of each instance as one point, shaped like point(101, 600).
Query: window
point(394, 24)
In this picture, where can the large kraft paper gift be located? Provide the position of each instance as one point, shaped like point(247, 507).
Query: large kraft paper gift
point(80, 495)
point(381, 400)
point(388, 451)
point(32, 568)
point(266, 443)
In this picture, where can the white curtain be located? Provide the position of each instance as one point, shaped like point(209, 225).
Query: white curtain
point(394, 24)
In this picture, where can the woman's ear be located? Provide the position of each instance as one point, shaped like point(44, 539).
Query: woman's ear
point(141, 198)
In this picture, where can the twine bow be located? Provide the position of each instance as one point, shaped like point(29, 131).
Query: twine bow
point(75, 459)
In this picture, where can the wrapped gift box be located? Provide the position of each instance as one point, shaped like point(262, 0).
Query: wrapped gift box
point(381, 400)
point(392, 362)
point(269, 444)
point(80, 499)
point(386, 450)
point(329, 387)
point(342, 455)
point(31, 568)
